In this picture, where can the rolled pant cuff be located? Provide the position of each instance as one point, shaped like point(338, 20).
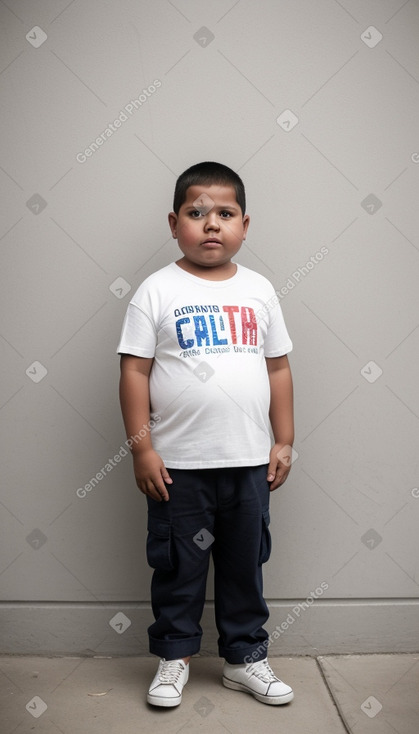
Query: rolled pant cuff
point(245, 655)
point(174, 649)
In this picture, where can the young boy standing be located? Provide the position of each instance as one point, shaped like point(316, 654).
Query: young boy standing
point(204, 367)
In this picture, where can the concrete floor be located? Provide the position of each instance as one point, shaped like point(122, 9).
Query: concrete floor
point(333, 694)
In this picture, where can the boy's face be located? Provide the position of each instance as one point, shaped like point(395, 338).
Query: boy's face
point(210, 226)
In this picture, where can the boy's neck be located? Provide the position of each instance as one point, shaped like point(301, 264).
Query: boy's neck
point(218, 272)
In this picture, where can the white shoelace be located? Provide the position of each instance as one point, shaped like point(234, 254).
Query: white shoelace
point(170, 671)
point(261, 669)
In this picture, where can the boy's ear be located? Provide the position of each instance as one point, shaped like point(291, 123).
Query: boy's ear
point(246, 222)
point(173, 224)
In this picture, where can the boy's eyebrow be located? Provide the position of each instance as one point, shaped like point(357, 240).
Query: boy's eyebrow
point(234, 207)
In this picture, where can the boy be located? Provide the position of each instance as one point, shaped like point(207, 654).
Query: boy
point(204, 370)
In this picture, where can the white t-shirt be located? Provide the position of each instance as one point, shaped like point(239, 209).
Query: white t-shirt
point(209, 386)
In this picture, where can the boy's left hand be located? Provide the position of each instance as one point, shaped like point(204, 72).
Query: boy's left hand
point(280, 459)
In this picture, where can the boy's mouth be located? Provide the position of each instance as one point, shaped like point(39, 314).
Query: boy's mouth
point(211, 241)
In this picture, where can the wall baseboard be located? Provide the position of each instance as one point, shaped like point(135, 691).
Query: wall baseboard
point(295, 627)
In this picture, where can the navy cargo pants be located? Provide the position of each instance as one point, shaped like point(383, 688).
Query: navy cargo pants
point(223, 512)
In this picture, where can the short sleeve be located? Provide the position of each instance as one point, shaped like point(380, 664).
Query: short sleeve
point(138, 335)
point(277, 341)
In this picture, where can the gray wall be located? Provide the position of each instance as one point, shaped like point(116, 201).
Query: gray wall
point(79, 233)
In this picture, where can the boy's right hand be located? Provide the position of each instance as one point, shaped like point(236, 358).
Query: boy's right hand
point(151, 474)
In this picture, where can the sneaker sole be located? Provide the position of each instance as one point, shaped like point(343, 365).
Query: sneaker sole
point(160, 701)
point(272, 700)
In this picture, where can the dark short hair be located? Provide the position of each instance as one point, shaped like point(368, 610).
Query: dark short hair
point(208, 173)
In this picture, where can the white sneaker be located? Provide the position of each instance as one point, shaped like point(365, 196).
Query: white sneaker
point(166, 687)
point(259, 680)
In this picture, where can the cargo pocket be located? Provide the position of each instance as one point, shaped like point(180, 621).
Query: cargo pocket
point(265, 543)
point(159, 548)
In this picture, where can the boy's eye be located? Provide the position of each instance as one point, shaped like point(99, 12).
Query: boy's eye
point(197, 213)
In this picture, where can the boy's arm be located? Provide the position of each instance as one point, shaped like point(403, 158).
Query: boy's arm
point(149, 469)
point(281, 415)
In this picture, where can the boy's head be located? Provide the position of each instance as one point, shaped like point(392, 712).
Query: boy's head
point(208, 174)
point(208, 218)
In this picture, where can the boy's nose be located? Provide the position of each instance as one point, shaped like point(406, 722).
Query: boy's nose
point(211, 221)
